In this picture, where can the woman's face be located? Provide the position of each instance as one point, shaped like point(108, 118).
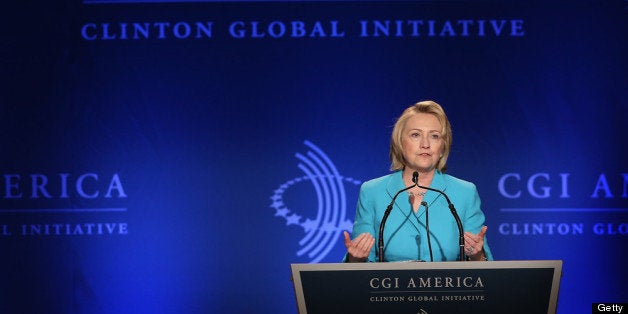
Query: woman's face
point(422, 142)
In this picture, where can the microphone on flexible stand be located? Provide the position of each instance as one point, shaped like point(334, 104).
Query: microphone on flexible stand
point(427, 229)
point(453, 212)
point(380, 242)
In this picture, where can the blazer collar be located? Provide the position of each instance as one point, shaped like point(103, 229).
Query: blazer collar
point(395, 183)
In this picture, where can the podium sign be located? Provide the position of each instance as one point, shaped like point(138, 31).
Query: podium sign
point(439, 287)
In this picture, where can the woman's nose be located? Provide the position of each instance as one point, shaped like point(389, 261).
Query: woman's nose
point(425, 143)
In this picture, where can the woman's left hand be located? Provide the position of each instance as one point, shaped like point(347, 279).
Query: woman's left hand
point(474, 245)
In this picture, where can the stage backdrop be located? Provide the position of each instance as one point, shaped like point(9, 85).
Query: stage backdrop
point(176, 157)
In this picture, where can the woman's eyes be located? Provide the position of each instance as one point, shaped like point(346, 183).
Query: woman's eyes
point(433, 136)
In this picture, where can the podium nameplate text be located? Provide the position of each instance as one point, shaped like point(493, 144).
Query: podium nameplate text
point(418, 287)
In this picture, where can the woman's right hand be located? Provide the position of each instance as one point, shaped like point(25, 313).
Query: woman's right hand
point(360, 247)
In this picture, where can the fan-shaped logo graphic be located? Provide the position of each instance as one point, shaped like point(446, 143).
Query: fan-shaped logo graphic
point(323, 231)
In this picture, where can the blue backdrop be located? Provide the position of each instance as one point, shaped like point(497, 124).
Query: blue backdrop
point(164, 157)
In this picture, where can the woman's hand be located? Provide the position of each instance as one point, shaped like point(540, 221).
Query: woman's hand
point(360, 247)
point(474, 245)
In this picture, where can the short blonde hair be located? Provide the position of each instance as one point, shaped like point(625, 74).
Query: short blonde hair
point(429, 107)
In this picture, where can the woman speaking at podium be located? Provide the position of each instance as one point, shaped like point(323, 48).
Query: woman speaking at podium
point(420, 144)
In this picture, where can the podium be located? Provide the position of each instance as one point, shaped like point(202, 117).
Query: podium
point(428, 288)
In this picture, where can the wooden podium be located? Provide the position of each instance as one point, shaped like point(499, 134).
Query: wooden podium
point(428, 288)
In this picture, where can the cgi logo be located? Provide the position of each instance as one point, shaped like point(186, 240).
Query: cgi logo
point(323, 230)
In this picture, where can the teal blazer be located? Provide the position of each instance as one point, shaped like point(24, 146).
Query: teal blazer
point(405, 236)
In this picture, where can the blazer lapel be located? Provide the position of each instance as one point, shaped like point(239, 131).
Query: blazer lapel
point(438, 183)
point(394, 184)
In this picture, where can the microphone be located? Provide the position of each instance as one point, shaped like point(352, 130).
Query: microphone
point(380, 242)
point(453, 212)
point(427, 228)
